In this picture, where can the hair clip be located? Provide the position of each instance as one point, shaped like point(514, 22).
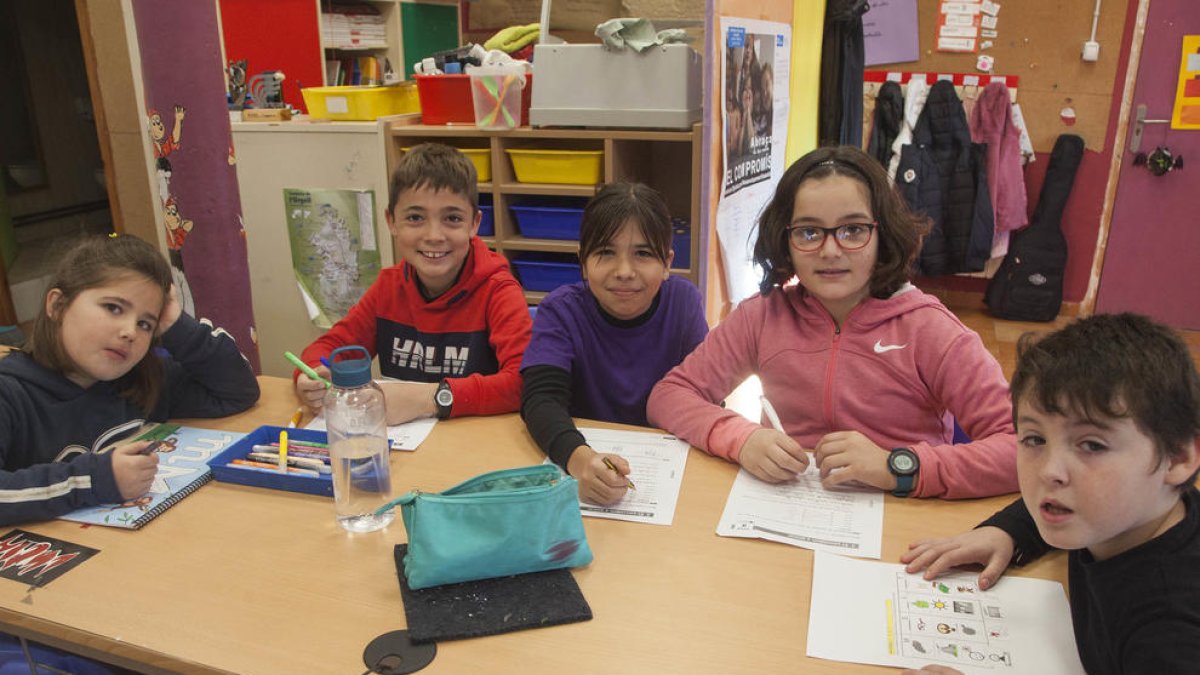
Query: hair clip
point(112, 235)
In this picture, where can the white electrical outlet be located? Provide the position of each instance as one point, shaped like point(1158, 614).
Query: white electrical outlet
point(1091, 51)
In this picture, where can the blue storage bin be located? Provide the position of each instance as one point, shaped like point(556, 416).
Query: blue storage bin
point(681, 243)
point(548, 221)
point(487, 225)
point(545, 272)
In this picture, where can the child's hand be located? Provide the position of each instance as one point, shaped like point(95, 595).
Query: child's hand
point(848, 456)
point(312, 392)
point(932, 670)
point(773, 456)
point(170, 311)
point(987, 546)
point(408, 401)
point(133, 471)
point(598, 484)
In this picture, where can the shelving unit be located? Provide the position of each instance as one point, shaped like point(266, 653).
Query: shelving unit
point(392, 50)
point(668, 161)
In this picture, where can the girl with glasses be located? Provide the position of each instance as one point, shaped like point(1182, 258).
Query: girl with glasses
point(867, 373)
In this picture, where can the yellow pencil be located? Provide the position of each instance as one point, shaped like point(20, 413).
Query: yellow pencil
point(628, 483)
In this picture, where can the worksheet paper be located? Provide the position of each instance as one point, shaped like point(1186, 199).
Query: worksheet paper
point(871, 612)
point(803, 513)
point(656, 464)
point(405, 436)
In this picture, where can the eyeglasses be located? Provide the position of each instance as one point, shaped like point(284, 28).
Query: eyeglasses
point(850, 237)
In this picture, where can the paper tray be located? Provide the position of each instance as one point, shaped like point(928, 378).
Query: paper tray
point(313, 485)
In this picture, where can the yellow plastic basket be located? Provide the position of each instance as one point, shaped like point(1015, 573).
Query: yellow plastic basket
point(480, 157)
point(574, 167)
point(361, 103)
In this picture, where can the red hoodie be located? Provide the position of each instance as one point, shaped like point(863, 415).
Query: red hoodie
point(473, 335)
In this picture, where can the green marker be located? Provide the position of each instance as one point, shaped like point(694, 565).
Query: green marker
point(306, 369)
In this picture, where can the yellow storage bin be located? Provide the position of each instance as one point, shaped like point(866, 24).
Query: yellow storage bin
point(361, 103)
point(574, 167)
point(480, 157)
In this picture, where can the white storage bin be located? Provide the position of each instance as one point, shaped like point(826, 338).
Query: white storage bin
point(589, 85)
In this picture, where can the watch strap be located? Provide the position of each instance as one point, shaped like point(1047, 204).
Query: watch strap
point(904, 485)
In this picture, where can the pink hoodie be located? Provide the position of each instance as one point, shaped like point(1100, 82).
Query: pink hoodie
point(900, 371)
point(992, 123)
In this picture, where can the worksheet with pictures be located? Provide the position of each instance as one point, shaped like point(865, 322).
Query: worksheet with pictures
point(870, 612)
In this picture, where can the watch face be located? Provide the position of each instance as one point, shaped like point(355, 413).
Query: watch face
point(444, 397)
point(903, 462)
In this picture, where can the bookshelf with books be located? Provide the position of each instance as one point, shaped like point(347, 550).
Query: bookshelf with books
point(668, 161)
point(360, 40)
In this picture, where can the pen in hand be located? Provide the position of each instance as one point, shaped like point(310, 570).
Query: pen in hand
point(628, 483)
point(769, 411)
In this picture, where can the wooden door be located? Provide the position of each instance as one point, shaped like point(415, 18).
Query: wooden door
point(1152, 264)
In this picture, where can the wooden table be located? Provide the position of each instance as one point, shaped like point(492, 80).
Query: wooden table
point(249, 580)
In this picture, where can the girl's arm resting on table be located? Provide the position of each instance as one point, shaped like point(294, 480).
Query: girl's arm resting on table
point(545, 407)
point(687, 401)
point(206, 376)
point(971, 385)
point(46, 491)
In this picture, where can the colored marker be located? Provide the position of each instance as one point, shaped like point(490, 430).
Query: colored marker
point(297, 462)
point(306, 369)
point(292, 452)
point(325, 362)
point(628, 483)
point(283, 451)
point(269, 468)
point(296, 417)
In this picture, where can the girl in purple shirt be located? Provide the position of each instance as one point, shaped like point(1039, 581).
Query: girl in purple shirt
point(599, 346)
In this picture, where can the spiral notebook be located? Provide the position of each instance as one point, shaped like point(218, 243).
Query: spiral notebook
point(183, 453)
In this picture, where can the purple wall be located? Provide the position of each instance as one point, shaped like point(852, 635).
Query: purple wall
point(182, 66)
point(1152, 263)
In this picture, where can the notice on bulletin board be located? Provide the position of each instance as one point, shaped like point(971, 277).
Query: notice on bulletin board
point(334, 251)
point(756, 69)
point(958, 26)
point(890, 32)
point(1187, 96)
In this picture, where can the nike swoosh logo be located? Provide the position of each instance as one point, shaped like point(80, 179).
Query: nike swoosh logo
point(881, 348)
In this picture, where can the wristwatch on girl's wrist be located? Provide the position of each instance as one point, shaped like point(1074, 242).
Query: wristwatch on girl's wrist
point(904, 465)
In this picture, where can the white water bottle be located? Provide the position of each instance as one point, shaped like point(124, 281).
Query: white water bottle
point(356, 419)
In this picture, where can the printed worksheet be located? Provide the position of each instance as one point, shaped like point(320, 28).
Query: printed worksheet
point(803, 513)
point(656, 463)
point(407, 436)
point(871, 612)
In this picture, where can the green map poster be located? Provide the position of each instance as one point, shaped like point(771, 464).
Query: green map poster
point(334, 250)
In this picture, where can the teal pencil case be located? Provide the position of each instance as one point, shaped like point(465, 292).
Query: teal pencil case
point(494, 525)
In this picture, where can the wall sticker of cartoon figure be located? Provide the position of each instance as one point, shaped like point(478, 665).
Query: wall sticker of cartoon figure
point(164, 145)
point(178, 229)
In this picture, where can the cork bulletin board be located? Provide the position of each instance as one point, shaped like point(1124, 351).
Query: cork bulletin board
point(1040, 43)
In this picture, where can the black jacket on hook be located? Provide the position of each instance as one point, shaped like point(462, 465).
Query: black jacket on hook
point(889, 115)
point(840, 106)
point(944, 175)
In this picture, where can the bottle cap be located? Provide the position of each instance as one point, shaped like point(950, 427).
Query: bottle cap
point(350, 372)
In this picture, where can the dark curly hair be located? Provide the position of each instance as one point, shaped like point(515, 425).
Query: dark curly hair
point(899, 230)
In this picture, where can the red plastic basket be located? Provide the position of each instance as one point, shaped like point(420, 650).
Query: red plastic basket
point(447, 98)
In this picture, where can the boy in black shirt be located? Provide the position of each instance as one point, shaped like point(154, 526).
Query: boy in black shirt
point(1108, 422)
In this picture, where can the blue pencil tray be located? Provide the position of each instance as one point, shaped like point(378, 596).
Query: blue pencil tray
point(320, 485)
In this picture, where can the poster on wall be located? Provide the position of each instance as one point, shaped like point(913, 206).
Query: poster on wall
point(1186, 114)
point(755, 67)
point(334, 251)
point(890, 32)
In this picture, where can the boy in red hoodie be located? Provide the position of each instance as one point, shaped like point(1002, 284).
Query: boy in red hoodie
point(449, 320)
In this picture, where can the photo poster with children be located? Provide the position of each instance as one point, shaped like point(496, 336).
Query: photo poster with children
point(756, 65)
point(335, 254)
point(863, 611)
